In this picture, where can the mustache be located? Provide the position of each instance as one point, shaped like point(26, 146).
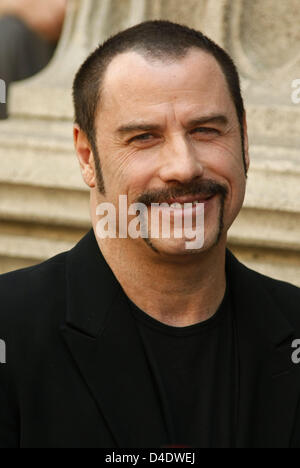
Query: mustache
point(206, 187)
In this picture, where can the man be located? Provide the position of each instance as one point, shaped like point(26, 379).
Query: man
point(139, 341)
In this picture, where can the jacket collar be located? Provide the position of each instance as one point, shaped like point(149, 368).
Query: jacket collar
point(108, 351)
point(115, 368)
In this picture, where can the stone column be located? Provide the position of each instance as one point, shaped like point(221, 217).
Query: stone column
point(44, 204)
point(264, 39)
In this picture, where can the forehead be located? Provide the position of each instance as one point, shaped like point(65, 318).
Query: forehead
point(134, 83)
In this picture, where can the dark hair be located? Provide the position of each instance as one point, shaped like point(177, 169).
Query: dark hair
point(155, 39)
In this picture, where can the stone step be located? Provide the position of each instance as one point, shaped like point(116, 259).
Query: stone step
point(279, 264)
point(26, 244)
point(268, 229)
point(44, 205)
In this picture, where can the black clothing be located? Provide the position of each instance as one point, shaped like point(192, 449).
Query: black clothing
point(196, 368)
point(76, 375)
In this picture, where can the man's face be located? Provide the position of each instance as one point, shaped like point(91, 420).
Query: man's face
point(168, 130)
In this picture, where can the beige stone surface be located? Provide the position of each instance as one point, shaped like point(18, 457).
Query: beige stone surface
point(44, 204)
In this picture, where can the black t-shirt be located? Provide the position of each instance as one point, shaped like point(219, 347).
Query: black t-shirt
point(195, 368)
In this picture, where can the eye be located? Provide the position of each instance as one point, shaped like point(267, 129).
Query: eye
point(206, 131)
point(142, 137)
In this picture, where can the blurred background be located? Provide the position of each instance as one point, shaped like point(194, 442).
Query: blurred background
point(44, 204)
point(29, 33)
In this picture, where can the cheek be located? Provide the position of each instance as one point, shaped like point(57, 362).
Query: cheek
point(224, 158)
point(226, 163)
point(129, 171)
point(229, 151)
point(237, 186)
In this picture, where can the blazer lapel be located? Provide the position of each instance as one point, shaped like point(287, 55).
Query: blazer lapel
point(103, 339)
point(268, 383)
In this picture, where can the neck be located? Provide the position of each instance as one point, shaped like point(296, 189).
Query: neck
point(175, 290)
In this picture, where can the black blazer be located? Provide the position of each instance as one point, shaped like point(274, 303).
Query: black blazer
point(76, 374)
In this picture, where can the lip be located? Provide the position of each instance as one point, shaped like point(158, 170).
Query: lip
point(189, 199)
point(185, 210)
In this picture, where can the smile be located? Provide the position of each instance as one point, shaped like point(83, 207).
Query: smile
point(180, 203)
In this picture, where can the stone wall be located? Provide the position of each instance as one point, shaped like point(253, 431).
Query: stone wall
point(44, 204)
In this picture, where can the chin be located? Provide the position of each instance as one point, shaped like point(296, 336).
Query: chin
point(175, 247)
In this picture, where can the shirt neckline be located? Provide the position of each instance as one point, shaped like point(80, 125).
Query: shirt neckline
point(150, 322)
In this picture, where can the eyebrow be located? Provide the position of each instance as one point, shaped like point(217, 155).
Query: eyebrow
point(218, 119)
point(146, 127)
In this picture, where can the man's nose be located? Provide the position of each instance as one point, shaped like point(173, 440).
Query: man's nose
point(180, 161)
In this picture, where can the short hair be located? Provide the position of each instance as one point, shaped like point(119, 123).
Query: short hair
point(158, 39)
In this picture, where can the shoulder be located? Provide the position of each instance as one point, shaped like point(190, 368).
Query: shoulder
point(285, 295)
point(31, 278)
point(281, 290)
point(28, 293)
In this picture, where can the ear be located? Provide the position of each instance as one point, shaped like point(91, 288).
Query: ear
point(246, 142)
point(85, 156)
